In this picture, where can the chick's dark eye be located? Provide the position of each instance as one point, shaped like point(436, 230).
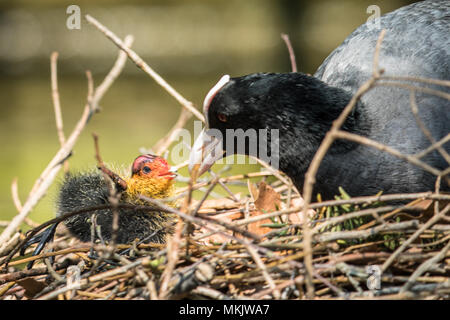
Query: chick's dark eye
point(222, 117)
point(146, 169)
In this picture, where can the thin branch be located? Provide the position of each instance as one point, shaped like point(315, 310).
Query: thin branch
point(417, 79)
point(261, 265)
point(434, 146)
point(286, 40)
point(145, 67)
point(424, 267)
point(371, 143)
point(426, 132)
point(48, 175)
point(364, 234)
point(112, 75)
point(15, 195)
point(320, 154)
point(405, 244)
point(163, 144)
point(56, 103)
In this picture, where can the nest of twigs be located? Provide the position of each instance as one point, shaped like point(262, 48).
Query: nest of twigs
point(265, 243)
point(247, 248)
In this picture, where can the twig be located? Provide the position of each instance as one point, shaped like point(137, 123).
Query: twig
point(210, 293)
point(56, 103)
point(15, 195)
point(405, 244)
point(260, 264)
point(426, 132)
point(382, 147)
point(52, 271)
point(417, 79)
point(145, 67)
point(363, 234)
point(430, 91)
point(172, 258)
point(285, 38)
point(14, 276)
point(120, 184)
point(114, 193)
point(112, 75)
point(320, 154)
point(48, 175)
point(425, 266)
point(163, 144)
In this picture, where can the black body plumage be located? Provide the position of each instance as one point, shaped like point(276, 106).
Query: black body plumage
point(90, 189)
point(302, 107)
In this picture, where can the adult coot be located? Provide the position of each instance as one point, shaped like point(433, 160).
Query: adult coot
point(303, 107)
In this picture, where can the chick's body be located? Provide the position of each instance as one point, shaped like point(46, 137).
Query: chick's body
point(89, 189)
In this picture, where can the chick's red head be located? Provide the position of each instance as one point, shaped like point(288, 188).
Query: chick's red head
point(151, 166)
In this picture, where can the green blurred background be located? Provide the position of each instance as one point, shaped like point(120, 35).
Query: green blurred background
point(190, 43)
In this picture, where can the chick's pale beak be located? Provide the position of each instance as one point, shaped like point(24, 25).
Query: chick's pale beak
point(207, 149)
point(171, 173)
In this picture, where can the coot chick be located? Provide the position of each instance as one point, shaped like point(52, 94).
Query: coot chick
point(303, 107)
point(151, 176)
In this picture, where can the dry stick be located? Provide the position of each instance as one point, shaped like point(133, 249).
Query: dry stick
point(227, 179)
point(163, 144)
point(424, 267)
point(14, 276)
point(417, 79)
point(224, 186)
point(119, 183)
point(335, 220)
point(266, 275)
point(114, 193)
point(390, 214)
point(56, 103)
point(374, 144)
point(320, 154)
point(48, 175)
point(210, 293)
point(436, 145)
point(112, 75)
point(285, 37)
point(363, 234)
point(15, 195)
point(172, 259)
point(99, 277)
point(145, 67)
point(18, 203)
point(430, 91)
point(290, 259)
point(52, 271)
point(356, 200)
point(173, 245)
point(49, 254)
point(426, 132)
point(206, 194)
point(405, 244)
point(275, 173)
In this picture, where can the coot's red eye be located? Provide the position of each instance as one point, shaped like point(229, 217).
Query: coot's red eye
point(222, 117)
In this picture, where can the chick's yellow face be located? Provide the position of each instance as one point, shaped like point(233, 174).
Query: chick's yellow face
point(151, 176)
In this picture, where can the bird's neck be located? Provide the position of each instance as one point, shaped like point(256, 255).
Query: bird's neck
point(326, 103)
point(156, 188)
